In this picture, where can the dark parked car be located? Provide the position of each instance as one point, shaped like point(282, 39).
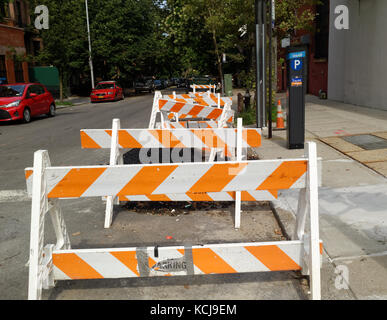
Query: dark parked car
point(159, 85)
point(183, 83)
point(144, 86)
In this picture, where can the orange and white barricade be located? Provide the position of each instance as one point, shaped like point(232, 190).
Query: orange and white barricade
point(205, 99)
point(213, 139)
point(169, 109)
point(59, 261)
point(203, 86)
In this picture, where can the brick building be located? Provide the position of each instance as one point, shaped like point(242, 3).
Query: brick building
point(16, 42)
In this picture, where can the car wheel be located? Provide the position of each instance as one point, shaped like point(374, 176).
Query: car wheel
point(52, 111)
point(26, 115)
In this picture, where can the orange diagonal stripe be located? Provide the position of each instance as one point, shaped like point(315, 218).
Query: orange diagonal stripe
point(252, 137)
point(128, 258)
point(200, 196)
point(217, 177)
point(167, 139)
point(195, 111)
point(158, 197)
point(87, 142)
point(75, 183)
point(209, 262)
point(284, 176)
point(215, 114)
point(245, 196)
point(126, 140)
point(162, 103)
point(147, 180)
point(28, 173)
point(177, 107)
point(74, 267)
point(273, 258)
point(209, 138)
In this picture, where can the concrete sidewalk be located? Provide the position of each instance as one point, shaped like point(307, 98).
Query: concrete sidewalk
point(352, 198)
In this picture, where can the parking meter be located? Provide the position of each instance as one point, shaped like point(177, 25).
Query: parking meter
point(296, 89)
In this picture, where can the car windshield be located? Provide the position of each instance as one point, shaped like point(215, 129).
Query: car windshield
point(157, 81)
point(11, 91)
point(105, 86)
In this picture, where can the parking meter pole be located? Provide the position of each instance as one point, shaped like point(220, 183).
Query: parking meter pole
point(270, 128)
point(295, 109)
point(264, 70)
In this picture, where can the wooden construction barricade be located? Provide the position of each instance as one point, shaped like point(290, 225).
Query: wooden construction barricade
point(210, 139)
point(203, 86)
point(205, 99)
point(169, 109)
point(52, 262)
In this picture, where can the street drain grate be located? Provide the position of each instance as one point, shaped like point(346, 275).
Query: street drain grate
point(367, 141)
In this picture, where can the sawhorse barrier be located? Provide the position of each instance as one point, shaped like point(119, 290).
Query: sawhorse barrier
point(205, 99)
point(201, 86)
point(182, 110)
point(50, 263)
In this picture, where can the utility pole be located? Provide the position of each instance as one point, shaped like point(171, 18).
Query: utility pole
point(271, 26)
point(90, 59)
point(257, 62)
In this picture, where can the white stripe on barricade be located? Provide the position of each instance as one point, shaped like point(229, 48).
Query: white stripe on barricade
point(60, 262)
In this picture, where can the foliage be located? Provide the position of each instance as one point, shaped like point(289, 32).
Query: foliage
point(162, 38)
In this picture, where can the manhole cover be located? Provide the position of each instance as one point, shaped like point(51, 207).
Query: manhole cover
point(367, 141)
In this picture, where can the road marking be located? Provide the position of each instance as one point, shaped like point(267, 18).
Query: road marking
point(14, 196)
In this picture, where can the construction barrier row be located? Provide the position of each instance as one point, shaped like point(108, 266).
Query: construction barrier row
point(59, 262)
point(214, 140)
point(237, 180)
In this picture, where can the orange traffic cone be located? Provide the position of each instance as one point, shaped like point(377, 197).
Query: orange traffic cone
point(280, 117)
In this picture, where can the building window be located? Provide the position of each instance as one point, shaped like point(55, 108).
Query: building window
point(322, 30)
point(19, 75)
point(3, 69)
point(18, 14)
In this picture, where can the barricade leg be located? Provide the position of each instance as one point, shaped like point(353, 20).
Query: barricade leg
point(239, 158)
point(314, 240)
point(115, 158)
point(39, 209)
point(155, 109)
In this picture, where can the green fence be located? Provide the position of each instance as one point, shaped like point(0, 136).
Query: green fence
point(48, 76)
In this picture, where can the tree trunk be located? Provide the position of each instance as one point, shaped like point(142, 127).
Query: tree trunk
point(61, 86)
point(218, 57)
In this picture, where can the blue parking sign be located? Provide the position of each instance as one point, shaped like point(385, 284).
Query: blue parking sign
point(296, 64)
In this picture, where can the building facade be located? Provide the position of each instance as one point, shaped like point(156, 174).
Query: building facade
point(350, 65)
point(357, 72)
point(15, 42)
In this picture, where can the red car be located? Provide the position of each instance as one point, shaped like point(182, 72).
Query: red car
point(107, 91)
point(22, 101)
